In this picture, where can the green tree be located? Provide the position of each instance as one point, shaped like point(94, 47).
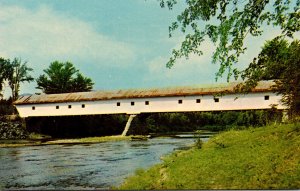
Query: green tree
point(80, 83)
point(227, 23)
point(63, 78)
point(17, 72)
point(4, 64)
point(14, 72)
point(278, 60)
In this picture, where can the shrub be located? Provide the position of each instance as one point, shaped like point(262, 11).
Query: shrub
point(198, 143)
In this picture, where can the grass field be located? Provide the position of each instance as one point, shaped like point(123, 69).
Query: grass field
point(257, 158)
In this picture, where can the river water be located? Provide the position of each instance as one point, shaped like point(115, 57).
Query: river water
point(81, 166)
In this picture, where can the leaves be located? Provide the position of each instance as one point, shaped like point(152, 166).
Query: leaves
point(227, 23)
point(15, 72)
point(278, 61)
point(63, 78)
point(81, 84)
point(4, 64)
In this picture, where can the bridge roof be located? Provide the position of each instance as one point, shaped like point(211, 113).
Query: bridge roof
point(264, 86)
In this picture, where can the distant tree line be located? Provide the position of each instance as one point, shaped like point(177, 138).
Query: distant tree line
point(214, 121)
point(100, 125)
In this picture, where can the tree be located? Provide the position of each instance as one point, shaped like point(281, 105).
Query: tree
point(17, 72)
point(81, 83)
point(278, 60)
point(3, 72)
point(227, 23)
point(63, 78)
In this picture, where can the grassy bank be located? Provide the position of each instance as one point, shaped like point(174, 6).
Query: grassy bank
point(260, 158)
point(36, 142)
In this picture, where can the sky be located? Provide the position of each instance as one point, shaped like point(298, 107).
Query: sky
point(119, 44)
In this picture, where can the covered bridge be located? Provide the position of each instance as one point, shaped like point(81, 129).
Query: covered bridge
point(135, 101)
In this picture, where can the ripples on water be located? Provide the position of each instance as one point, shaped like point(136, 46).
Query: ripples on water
point(82, 166)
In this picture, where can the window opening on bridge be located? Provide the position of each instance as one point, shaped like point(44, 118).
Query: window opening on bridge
point(33, 107)
point(267, 97)
point(69, 106)
point(216, 99)
point(132, 103)
point(198, 100)
point(57, 107)
point(146, 102)
point(180, 101)
point(83, 106)
point(118, 103)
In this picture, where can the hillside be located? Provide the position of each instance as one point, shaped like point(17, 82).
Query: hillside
point(257, 158)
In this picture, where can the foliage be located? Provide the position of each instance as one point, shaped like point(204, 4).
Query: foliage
point(191, 121)
point(18, 73)
point(77, 126)
point(279, 61)
point(15, 72)
point(101, 125)
point(227, 23)
point(12, 130)
point(6, 107)
point(4, 63)
point(261, 158)
point(198, 143)
point(63, 78)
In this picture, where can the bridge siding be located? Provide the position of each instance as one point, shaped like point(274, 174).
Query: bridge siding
point(159, 104)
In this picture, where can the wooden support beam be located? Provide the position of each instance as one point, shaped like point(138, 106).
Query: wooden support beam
point(128, 124)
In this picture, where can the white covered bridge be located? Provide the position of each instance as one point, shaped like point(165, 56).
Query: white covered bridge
point(180, 99)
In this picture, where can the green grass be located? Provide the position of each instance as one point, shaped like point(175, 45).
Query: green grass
point(258, 158)
point(37, 136)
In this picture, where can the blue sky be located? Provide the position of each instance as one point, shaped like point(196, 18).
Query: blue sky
point(120, 44)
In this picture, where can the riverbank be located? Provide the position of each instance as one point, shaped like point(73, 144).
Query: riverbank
point(13, 133)
point(88, 140)
point(258, 158)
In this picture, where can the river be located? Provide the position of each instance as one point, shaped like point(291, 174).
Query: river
point(81, 166)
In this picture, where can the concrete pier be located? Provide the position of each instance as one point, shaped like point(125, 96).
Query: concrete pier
point(128, 124)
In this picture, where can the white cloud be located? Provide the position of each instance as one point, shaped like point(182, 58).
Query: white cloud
point(199, 69)
point(195, 70)
point(44, 35)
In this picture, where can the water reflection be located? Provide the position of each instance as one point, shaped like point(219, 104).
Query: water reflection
point(84, 166)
